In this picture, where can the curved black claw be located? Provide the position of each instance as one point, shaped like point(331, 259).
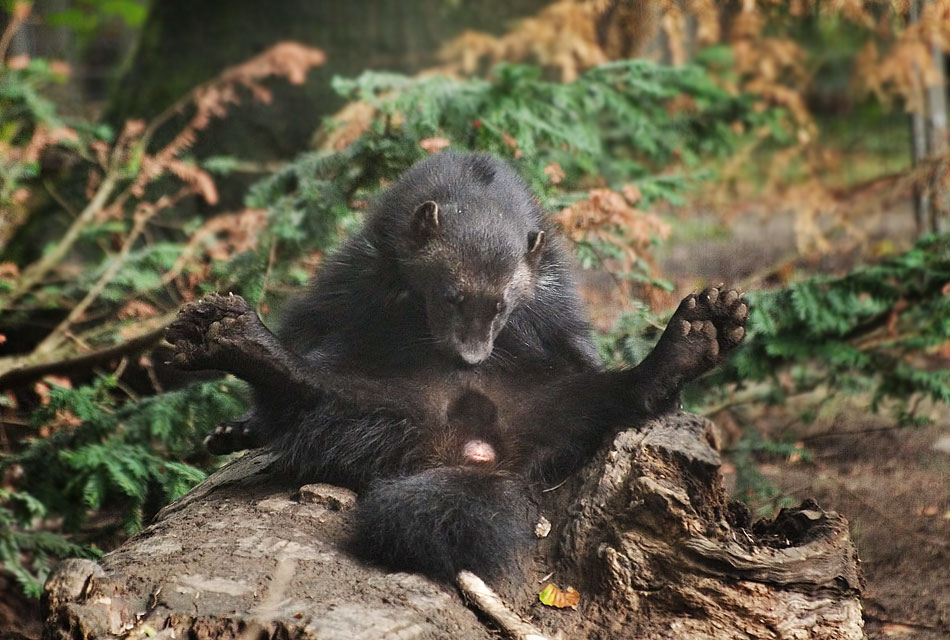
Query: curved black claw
point(231, 437)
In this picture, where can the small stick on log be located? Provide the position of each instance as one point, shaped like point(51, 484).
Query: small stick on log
point(480, 594)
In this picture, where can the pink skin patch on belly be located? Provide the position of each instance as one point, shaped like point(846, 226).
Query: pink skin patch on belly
point(478, 451)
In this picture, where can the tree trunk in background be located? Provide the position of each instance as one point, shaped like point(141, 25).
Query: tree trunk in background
point(938, 145)
point(184, 43)
point(929, 142)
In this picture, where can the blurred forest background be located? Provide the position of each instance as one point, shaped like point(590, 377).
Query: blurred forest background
point(151, 152)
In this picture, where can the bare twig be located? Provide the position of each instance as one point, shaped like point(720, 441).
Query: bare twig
point(58, 335)
point(487, 601)
point(60, 200)
point(21, 10)
point(36, 271)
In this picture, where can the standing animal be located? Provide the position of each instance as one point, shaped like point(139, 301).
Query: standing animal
point(441, 365)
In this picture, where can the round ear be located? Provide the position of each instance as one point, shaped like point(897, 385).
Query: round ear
point(535, 246)
point(425, 221)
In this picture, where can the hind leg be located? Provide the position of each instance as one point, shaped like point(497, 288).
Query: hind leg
point(581, 408)
point(700, 335)
point(225, 333)
point(705, 328)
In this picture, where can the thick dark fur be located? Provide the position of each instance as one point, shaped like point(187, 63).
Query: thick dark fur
point(450, 322)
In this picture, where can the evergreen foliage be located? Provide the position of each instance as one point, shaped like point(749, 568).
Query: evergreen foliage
point(871, 332)
point(119, 459)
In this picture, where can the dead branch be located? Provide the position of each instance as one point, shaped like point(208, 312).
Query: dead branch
point(38, 270)
point(142, 216)
point(20, 373)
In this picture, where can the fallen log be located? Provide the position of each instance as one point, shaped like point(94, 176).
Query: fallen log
point(645, 533)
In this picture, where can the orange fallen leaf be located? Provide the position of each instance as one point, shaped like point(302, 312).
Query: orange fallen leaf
point(554, 597)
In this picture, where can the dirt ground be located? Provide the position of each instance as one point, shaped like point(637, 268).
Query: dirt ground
point(893, 486)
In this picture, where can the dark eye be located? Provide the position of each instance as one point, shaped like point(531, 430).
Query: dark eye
point(500, 306)
point(454, 297)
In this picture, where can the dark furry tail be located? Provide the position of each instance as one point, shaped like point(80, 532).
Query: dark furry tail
point(444, 520)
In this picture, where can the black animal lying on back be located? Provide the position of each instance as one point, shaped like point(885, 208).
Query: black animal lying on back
point(441, 365)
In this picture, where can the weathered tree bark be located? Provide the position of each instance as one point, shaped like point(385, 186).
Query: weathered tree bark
point(645, 532)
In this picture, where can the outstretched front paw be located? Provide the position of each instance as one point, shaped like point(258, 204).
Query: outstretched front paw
point(208, 332)
point(704, 329)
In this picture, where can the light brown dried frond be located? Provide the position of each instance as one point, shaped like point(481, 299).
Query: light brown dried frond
point(748, 23)
point(935, 23)
point(213, 99)
point(291, 60)
point(907, 69)
point(42, 138)
point(62, 419)
point(434, 145)
point(132, 130)
point(199, 179)
point(632, 193)
point(707, 21)
point(563, 36)
point(101, 149)
point(554, 172)
point(471, 51)
point(185, 139)
point(137, 309)
point(770, 59)
point(853, 10)
point(222, 236)
point(349, 124)
point(609, 217)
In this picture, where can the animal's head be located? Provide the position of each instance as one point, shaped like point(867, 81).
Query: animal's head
point(469, 238)
point(472, 276)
